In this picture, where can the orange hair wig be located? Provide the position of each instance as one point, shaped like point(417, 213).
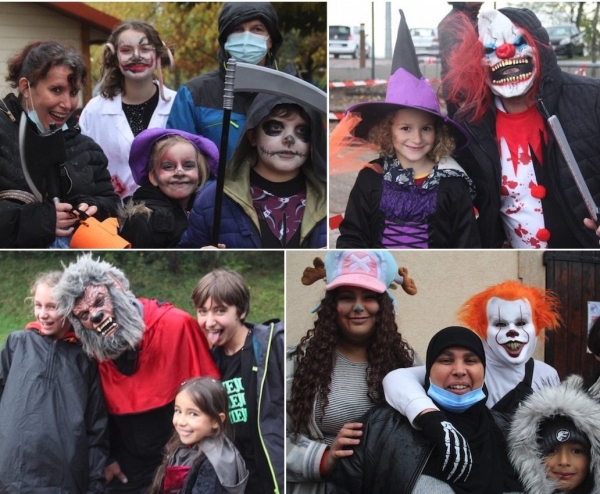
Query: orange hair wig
point(544, 306)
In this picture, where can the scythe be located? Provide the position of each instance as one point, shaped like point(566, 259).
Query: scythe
point(245, 77)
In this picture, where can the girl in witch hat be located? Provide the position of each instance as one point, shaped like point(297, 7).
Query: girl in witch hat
point(414, 195)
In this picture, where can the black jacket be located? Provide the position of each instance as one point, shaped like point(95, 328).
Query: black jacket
point(390, 457)
point(52, 417)
point(576, 102)
point(33, 225)
point(152, 221)
point(452, 225)
point(263, 361)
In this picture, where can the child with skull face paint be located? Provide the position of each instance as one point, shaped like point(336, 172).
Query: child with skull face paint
point(130, 100)
point(275, 191)
point(43, 372)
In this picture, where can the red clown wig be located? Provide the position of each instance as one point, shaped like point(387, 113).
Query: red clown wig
point(544, 306)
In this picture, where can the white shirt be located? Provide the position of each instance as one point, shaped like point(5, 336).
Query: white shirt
point(105, 122)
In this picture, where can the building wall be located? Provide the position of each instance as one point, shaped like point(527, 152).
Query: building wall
point(445, 279)
point(23, 22)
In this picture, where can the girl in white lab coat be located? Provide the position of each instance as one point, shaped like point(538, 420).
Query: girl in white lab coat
point(130, 99)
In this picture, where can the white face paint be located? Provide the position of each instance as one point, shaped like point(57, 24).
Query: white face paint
point(507, 54)
point(511, 333)
point(137, 57)
point(283, 146)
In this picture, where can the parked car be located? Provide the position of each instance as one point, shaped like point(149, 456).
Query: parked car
point(566, 40)
point(345, 40)
point(426, 41)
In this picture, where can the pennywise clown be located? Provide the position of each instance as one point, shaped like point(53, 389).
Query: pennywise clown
point(145, 350)
point(508, 317)
point(505, 82)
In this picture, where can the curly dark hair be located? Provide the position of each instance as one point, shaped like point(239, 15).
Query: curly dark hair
point(36, 59)
point(316, 357)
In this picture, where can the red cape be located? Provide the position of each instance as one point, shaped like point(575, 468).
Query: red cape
point(173, 349)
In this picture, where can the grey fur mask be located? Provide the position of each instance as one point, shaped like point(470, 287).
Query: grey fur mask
point(127, 311)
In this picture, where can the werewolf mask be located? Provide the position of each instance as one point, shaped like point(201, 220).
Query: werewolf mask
point(106, 316)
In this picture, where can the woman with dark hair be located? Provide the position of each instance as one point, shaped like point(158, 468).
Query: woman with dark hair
point(130, 100)
point(335, 373)
point(48, 77)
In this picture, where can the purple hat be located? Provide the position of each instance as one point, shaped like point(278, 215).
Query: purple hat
point(139, 155)
point(404, 91)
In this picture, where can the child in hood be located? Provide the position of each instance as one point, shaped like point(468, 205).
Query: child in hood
point(275, 192)
point(554, 440)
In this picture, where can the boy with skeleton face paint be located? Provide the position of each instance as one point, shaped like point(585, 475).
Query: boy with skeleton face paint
point(145, 350)
point(505, 82)
point(508, 317)
point(275, 184)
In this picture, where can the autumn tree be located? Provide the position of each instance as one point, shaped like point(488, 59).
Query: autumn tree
point(190, 30)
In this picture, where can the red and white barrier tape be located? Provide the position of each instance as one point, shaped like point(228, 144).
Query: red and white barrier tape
point(368, 82)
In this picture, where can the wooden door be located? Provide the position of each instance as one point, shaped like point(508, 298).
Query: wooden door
point(575, 277)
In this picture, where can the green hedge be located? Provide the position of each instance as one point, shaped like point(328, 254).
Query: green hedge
point(165, 275)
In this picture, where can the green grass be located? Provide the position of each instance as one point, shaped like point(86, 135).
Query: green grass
point(165, 275)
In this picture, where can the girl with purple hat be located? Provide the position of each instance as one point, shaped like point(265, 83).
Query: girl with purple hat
point(170, 166)
point(415, 195)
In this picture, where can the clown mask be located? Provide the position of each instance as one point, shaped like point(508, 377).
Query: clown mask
point(511, 334)
point(507, 54)
point(95, 312)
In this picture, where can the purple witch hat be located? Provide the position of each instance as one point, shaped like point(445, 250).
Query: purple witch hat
point(407, 88)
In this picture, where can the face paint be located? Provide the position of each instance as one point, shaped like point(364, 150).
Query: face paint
point(177, 174)
point(137, 57)
point(94, 310)
point(357, 326)
point(283, 147)
point(511, 333)
point(507, 54)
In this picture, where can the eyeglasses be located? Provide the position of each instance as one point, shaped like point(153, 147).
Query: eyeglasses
point(128, 51)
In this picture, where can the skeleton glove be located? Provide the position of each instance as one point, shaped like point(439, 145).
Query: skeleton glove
point(450, 446)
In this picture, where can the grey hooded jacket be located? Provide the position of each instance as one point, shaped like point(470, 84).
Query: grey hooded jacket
point(569, 399)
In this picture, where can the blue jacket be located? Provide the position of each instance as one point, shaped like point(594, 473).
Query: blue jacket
point(198, 109)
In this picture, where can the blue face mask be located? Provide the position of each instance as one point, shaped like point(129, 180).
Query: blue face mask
point(247, 47)
point(33, 116)
point(453, 402)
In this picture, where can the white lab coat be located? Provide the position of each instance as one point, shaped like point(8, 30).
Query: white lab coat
point(103, 120)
